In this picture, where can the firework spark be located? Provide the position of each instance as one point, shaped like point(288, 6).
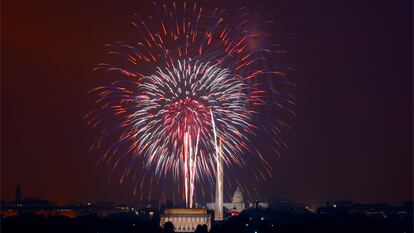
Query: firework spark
point(187, 68)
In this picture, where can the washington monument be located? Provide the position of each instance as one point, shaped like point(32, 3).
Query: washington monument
point(218, 210)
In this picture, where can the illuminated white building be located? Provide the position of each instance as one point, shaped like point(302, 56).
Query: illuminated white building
point(238, 204)
point(186, 220)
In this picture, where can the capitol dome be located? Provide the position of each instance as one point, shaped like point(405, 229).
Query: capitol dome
point(237, 196)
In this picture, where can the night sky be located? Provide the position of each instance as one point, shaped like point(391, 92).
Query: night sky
point(351, 137)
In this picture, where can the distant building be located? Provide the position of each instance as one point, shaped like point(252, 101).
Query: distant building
point(186, 220)
point(313, 207)
point(30, 202)
point(56, 212)
point(259, 205)
point(8, 213)
point(238, 204)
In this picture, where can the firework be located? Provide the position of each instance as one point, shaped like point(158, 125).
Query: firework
point(191, 78)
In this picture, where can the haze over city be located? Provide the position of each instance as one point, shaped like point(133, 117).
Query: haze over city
point(343, 134)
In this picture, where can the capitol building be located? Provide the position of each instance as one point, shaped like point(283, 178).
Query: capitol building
point(238, 204)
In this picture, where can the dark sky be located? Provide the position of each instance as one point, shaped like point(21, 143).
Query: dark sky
point(351, 138)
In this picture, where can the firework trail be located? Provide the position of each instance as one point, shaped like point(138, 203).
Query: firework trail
point(187, 67)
